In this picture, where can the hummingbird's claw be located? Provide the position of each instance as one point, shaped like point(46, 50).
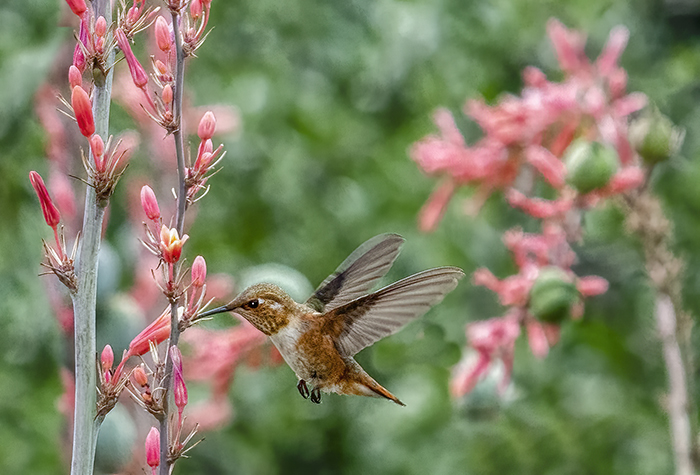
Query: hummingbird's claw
point(303, 389)
point(316, 395)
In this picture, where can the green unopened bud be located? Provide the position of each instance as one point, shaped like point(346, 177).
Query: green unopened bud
point(552, 295)
point(590, 165)
point(654, 136)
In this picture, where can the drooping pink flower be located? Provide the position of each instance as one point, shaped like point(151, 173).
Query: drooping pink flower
point(153, 449)
point(51, 214)
point(433, 210)
point(138, 74)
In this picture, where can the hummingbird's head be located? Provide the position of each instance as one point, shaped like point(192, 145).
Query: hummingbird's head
point(264, 305)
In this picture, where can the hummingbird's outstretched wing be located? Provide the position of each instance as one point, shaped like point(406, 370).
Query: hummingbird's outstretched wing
point(362, 322)
point(357, 274)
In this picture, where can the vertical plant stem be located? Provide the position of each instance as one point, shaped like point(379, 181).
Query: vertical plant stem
point(86, 425)
point(677, 386)
point(180, 224)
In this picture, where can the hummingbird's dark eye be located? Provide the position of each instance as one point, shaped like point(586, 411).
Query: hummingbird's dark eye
point(253, 303)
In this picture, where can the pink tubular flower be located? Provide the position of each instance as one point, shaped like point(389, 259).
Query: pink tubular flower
point(138, 74)
point(592, 285)
point(163, 34)
point(492, 339)
point(150, 203)
point(199, 271)
point(82, 107)
point(171, 244)
point(51, 214)
point(157, 332)
point(179, 387)
point(153, 449)
point(77, 6)
point(433, 210)
point(207, 126)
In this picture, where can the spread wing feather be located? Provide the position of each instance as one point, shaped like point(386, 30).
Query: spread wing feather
point(356, 276)
point(362, 322)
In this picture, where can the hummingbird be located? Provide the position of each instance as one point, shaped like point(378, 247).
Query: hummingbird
point(318, 338)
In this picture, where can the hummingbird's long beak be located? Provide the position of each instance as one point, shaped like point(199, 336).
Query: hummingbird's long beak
point(214, 311)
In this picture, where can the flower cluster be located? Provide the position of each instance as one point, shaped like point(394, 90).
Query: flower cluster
point(575, 136)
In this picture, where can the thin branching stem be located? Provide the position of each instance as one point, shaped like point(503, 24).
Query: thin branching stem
point(180, 223)
point(86, 425)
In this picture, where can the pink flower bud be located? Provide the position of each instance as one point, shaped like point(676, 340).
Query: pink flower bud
point(176, 356)
point(51, 214)
point(133, 15)
point(168, 94)
point(107, 358)
point(77, 6)
point(97, 146)
point(626, 179)
point(82, 107)
point(100, 26)
point(199, 271)
point(161, 67)
point(163, 34)
point(153, 448)
point(149, 203)
point(207, 126)
point(179, 387)
point(592, 285)
point(138, 74)
point(196, 9)
point(171, 244)
point(75, 77)
point(140, 376)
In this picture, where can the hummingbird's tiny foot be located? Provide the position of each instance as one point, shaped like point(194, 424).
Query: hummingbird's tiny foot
point(303, 389)
point(316, 395)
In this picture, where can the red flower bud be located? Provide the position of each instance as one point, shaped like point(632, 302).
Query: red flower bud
point(75, 77)
point(51, 214)
point(207, 126)
point(77, 6)
point(82, 107)
point(97, 146)
point(149, 203)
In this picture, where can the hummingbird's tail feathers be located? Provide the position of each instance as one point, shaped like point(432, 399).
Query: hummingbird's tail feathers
point(357, 274)
point(362, 384)
point(366, 320)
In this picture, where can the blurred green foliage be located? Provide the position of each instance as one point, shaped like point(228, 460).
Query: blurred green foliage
point(331, 95)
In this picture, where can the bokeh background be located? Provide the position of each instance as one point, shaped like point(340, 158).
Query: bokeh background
point(330, 96)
